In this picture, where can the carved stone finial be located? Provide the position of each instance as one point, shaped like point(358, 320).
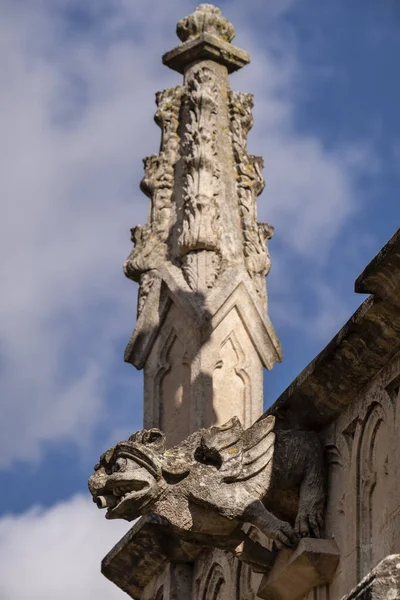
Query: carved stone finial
point(206, 35)
point(205, 19)
point(202, 257)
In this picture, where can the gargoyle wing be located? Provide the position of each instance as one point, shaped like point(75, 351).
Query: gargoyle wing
point(258, 450)
point(258, 441)
point(239, 454)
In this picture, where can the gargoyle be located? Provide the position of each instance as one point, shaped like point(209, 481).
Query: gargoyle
point(215, 481)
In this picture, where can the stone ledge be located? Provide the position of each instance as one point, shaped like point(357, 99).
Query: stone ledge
point(206, 47)
point(381, 276)
point(297, 572)
point(143, 552)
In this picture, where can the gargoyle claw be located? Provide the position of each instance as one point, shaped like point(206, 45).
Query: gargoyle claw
point(285, 536)
point(309, 524)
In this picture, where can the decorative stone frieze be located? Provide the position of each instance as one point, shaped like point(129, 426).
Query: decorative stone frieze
point(249, 184)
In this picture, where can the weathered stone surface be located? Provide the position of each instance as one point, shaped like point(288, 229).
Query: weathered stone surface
point(209, 360)
point(203, 338)
point(383, 583)
point(143, 553)
point(203, 335)
point(362, 449)
point(206, 35)
point(381, 276)
point(206, 18)
point(206, 47)
point(137, 557)
point(363, 506)
point(295, 573)
point(216, 480)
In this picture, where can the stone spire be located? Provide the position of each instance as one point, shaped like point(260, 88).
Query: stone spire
point(203, 335)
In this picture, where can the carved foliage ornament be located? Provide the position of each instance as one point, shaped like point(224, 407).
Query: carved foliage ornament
point(200, 229)
point(158, 184)
point(205, 19)
point(249, 184)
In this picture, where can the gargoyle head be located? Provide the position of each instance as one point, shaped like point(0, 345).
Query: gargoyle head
point(128, 477)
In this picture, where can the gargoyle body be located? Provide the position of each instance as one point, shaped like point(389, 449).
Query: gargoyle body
point(217, 480)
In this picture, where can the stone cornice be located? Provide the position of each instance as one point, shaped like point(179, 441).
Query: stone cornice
point(206, 47)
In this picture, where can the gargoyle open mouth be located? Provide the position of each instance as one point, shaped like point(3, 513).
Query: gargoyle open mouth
point(132, 490)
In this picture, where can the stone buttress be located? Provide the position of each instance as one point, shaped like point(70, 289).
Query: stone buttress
point(203, 336)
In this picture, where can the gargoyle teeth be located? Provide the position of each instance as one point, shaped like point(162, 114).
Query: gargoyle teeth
point(120, 490)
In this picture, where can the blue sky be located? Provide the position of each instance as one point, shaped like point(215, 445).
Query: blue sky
point(76, 112)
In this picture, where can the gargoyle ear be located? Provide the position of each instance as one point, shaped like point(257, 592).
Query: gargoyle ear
point(137, 437)
point(155, 437)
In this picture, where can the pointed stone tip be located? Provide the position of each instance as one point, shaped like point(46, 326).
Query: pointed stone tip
point(206, 18)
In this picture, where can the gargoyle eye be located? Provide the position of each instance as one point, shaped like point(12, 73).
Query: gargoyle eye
point(120, 464)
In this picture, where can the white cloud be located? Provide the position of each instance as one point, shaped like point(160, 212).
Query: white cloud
point(67, 187)
point(76, 118)
point(329, 315)
point(55, 554)
point(311, 190)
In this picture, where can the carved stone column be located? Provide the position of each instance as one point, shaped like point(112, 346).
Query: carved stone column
point(203, 336)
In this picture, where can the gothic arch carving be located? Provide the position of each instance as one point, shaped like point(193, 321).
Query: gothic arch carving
point(172, 386)
point(348, 434)
point(392, 389)
point(216, 578)
point(338, 500)
point(160, 593)
point(231, 365)
point(335, 478)
point(215, 583)
point(247, 582)
point(373, 460)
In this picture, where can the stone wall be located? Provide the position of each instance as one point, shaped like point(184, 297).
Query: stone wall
point(215, 575)
point(363, 508)
point(351, 394)
point(363, 451)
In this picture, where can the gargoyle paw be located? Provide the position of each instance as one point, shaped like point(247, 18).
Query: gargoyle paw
point(309, 524)
point(285, 536)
